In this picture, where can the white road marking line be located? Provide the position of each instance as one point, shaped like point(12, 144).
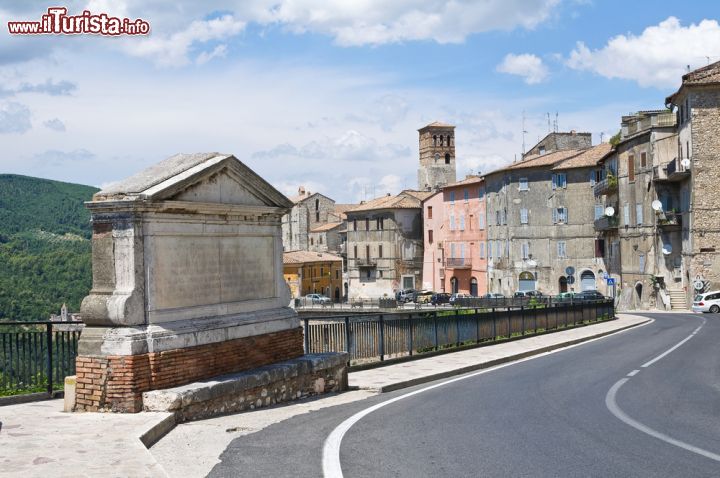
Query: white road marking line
point(615, 410)
point(671, 349)
point(331, 449)
point(633, 373)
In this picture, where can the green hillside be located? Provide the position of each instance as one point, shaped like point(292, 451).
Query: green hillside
point(44, 246)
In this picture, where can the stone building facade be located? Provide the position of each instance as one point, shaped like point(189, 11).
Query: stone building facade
point(385, 245)
point(561, 141)
point(646, 240)
point(540, 233)
point(455, 238)
point(437, 156)
point(697, 104)
point(309, 211)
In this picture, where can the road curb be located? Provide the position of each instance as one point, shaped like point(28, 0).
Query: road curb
point(493, 363)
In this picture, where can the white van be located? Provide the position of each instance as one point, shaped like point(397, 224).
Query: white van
point(707, 302)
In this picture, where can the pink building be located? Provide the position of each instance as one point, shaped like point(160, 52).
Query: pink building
point(455, 236)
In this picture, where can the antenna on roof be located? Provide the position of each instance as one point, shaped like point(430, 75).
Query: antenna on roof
point(556, 122)
point(549, 128)
point(688, 67)
point(523, 132)
point(602, 135)
point(708, 59)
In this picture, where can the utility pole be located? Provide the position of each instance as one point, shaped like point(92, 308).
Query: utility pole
point(523, 132)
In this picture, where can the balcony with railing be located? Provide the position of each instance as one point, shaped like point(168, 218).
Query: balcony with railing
point(640, 123)
point(673, 171)
point(608, 185)
point(365, 262)
point(458, 263)
point(606, 223)
point(670, 221)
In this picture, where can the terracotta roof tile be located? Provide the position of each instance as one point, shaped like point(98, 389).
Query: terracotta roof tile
point(301, 257)
point(401, 201)
point(587, 158)
point(466, 181)
point(327, 227)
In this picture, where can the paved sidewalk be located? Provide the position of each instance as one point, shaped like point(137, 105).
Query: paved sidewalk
point(407, 374)
point(38, 439)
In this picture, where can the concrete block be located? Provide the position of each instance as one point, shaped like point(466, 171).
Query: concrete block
point(69, 402)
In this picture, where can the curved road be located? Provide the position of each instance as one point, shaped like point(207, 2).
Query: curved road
point(641, 403)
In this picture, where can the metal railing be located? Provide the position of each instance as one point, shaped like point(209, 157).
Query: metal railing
point(458, 262)
point(36, 356)
point(378, 337)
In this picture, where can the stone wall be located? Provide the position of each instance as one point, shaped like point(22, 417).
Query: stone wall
point(115, 382)
point(262, 387)
point(561, 141)
point(704, 153)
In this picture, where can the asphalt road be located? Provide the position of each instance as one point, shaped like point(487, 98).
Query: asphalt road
point(591, 410)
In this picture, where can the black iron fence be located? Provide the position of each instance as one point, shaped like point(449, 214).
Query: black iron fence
point(377, 337)
point(36, 356)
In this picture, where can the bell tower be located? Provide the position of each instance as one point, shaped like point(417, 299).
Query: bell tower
point(437, 156)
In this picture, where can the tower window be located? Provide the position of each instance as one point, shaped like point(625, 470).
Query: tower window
point(434, 140)
point(447, 158)
point(441, 140)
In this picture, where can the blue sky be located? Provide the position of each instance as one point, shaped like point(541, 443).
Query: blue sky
point(330, 94)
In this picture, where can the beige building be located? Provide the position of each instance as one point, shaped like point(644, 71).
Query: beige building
point(385, 245)
point(540, 233)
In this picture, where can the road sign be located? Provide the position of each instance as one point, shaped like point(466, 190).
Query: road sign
point(570, 279)
point(606, 276)
point(610, 281)
point(569, 270)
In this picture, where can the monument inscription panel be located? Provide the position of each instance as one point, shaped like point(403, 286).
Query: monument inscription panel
point(189, 271)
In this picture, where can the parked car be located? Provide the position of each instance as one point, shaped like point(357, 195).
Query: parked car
point(440, 298)
point(457, 296)
point(528, 293)
point(493, 295)
point(589, 295)
point(707, 302)
point(405, 295)
point(565, 295)
point(317, 299)
point(423, 297)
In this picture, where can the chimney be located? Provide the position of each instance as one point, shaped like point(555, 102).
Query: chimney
point(573, 132)
point(301, 190)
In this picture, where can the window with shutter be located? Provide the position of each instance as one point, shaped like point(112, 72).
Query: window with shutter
point(523, 184)
point(561, 249)
point(482, 250)
point(523, 216)
point(462, 223)
point(452, 197)
point(554, 181)
point(489, 250)
point(481, 221)
point(639, 213)
point(452, 222)
point(599, 211)
point(631, 167)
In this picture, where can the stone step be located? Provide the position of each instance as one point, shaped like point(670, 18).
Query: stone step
point(310, 374)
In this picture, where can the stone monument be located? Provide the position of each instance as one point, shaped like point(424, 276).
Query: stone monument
point(187, 282)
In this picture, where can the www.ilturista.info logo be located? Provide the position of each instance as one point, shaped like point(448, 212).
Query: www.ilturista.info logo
point(58, 22)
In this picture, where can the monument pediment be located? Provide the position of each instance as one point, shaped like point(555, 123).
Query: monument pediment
point(203, 178)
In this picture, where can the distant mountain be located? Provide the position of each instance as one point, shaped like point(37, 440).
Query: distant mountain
point(44, 246)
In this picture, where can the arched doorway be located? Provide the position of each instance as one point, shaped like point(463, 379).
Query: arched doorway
point(587, 281)
point(473, 287)
point(638, 292)
point(562, 284)
point(454, 285)
point(337, 294)
point(526, 281)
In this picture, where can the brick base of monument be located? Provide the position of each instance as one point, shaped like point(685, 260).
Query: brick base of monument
point(117, 382)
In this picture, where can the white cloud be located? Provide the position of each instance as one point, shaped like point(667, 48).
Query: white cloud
point(55, 124)
point(390, 183)
point(55, 157)
point(14, 118)
point(220, 51)
point(527, 65)
point(658, 57)
point(351, 145)
point(376, 22)
point(174, 49)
